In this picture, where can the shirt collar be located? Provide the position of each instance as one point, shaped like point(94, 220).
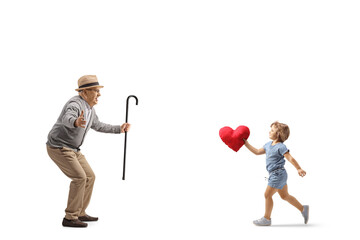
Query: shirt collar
point(86, 103)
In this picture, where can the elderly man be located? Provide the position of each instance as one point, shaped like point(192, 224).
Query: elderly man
point(63, 146)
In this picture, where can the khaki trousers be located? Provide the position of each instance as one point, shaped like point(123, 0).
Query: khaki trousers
point(74, 165)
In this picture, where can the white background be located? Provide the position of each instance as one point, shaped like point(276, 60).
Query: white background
point(196, 66)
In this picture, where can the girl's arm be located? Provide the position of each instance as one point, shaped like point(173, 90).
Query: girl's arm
point(301, 172)
point(252, 149)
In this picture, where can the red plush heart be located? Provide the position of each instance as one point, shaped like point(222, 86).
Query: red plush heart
point(234, 139)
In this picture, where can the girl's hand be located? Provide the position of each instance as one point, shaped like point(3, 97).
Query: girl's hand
point(301, 172)
point(245, 141)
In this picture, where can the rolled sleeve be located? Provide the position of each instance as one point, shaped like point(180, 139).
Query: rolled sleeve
point(283, 149)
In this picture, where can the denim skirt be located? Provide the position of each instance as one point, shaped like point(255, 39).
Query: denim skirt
point(278, 178)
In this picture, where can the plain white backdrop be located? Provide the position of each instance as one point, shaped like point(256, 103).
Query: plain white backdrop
point(195, 66)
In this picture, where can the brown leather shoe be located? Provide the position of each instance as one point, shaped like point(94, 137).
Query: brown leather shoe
point(87, 218)
point(73, 223)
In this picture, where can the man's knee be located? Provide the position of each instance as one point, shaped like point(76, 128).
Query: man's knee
point(79, 180)
point(91, 178)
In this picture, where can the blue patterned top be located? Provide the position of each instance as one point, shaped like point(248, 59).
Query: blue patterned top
point(275, 156)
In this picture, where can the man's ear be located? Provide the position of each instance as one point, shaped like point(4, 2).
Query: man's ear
point(82, 93)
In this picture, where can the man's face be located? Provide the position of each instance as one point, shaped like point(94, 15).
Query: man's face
point(91, 96)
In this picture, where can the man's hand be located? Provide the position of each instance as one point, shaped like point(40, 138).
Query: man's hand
point(125, 127)
point(80, 121)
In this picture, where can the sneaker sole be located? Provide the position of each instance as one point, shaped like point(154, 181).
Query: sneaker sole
point(262, 225)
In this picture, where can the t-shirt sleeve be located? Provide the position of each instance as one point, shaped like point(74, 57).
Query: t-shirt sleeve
point(283, 149)
point(265, 146)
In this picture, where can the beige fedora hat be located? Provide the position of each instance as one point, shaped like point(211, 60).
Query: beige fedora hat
point(88, 81)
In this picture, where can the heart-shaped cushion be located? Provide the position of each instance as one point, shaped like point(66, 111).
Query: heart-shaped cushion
point(234, 138)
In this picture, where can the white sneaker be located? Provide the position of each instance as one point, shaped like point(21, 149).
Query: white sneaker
point(262, 222)
point(305, 213)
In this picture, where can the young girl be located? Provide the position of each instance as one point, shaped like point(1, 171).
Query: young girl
point(275, 152)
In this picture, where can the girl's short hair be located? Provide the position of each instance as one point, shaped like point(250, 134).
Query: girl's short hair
point(282, 131)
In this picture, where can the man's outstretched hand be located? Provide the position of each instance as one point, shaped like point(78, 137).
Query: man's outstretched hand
point(80, 121)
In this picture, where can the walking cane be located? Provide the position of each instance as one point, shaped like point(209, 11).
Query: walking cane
point(126, 120)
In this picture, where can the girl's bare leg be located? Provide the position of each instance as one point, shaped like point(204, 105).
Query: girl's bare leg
point(269, 192)
point(287, 197)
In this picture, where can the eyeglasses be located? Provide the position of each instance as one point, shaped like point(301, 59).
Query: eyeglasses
point(95, 90)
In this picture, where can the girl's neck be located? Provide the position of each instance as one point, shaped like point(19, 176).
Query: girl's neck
point(275, 142)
